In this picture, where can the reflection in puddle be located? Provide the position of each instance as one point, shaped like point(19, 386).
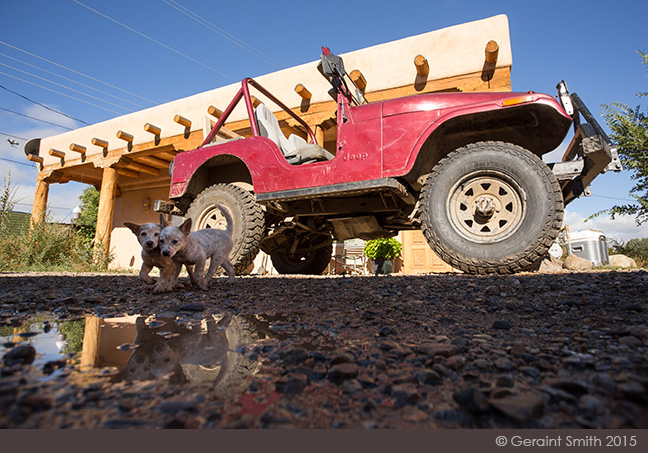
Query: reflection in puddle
point(178, 348)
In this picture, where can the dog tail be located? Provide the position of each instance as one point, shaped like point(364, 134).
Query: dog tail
point(228, 218)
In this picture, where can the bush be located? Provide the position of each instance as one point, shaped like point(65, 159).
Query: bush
point(636, 249)
point(382, 248)
point(48, 247)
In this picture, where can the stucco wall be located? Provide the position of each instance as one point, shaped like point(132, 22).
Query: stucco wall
point(450, 52)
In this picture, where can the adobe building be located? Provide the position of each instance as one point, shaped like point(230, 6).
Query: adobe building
point(127, 158)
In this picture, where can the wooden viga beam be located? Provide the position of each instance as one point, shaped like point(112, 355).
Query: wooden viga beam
point(359, 80)
point(422, 66)
point(138, 167)
point(78, 148)
point(35, 158)
point(181, 120)
point(148, 127)
point(223, 132)
point(100, 143)
point(57, 153)
point(492, 51)
point(302, 91)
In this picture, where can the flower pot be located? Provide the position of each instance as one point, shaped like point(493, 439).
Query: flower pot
point(382, 266)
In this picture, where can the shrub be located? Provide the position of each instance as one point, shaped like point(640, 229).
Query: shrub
point(382, 248)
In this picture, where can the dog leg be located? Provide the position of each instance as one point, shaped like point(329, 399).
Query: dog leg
point(175, 272)
point(199, 268)
point(227, 265)
point(144, 274)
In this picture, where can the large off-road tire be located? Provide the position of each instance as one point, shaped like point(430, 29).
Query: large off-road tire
point(247, 215)
point(491, 207)
point(313, 262)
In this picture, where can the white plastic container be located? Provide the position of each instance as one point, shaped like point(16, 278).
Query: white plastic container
point(591, 245)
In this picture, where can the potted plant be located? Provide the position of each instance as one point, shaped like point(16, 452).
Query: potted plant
point(382, 252)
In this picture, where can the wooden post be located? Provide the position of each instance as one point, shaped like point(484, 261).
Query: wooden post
point(105, 212)
point(492, 50)
point(422, 67)
point(319, 135)
point(35, 158)
point(255, 101)
point(40, 200)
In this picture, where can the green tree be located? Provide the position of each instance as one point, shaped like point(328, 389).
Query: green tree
point(87, 223)
point(630, 134)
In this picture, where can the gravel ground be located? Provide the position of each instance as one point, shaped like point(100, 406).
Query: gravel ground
point(436, 351)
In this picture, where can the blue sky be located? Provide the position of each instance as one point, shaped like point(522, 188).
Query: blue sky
point(591, 44)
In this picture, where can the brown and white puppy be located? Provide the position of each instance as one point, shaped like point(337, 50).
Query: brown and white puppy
point(184, 247)
point(148, 235)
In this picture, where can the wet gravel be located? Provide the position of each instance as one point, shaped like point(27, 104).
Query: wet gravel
point(435, 351)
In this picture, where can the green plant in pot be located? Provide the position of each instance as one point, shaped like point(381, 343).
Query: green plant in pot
point(382, 252)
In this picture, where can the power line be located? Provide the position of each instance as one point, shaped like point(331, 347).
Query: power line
point(155, 41)
point(77, 72)
point(36, 119)
point(66, 87)
point(43, 105)
point(233, 39)
point(58, 92)
point(14, 136)
point(71, 80)
point(18, 163)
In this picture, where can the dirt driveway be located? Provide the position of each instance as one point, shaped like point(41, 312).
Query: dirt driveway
point(435, 351)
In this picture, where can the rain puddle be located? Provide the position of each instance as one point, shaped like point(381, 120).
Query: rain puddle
point(181, 348)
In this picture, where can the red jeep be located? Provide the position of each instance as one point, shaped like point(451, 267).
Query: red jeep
point(466, 168)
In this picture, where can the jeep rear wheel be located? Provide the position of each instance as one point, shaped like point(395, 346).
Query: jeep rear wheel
point(491, 207)
point(247, 215)
point(306, 262)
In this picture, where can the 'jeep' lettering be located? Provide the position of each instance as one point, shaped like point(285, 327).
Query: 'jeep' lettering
point(357, 156)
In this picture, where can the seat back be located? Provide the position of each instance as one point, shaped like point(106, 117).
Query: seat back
point(269, 127)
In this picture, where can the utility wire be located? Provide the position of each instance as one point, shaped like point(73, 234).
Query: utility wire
point(43, 105)
point(71, 80)
point(58, 92)
point(66, 87)
point(154, 40)
point(13, 136)
point(18, 163)
point(233, 39)
point(36, 119)
point(77, 72)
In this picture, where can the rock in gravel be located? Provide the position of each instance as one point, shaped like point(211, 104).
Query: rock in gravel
point(471, 400)
point(502, 324)
point(428, 377)
point(576, 263)
point(442, 349)
point(519, 408)
point(192, 306)
point(181, 403)
point(404, 394)
point(343, 371)
point(21, 354)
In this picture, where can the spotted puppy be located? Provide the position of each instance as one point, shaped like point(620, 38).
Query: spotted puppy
point(184, 247)
point(148, 235)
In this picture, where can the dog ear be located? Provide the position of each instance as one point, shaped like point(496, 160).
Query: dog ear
point(163, 222)
point(133, 227)
point(186, 227)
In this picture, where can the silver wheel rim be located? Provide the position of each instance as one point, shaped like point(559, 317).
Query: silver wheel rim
point(486, 207)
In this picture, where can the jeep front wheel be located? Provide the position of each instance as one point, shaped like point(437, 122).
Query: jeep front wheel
point(491, 207)
point(247, 215)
